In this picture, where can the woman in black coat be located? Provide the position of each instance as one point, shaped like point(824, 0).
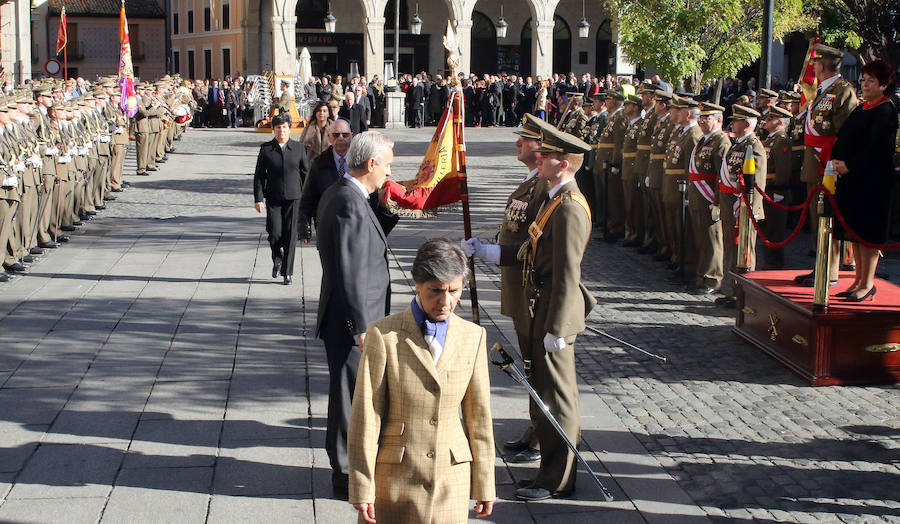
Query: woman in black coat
point(863, 161)
point(281, 168)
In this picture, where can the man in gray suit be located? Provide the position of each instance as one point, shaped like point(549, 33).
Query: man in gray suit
point(355, 288)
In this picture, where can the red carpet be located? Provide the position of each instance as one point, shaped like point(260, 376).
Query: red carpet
point(782, 283)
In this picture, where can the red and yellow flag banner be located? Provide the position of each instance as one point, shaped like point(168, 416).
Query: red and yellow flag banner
point(808, 82)
point(128, 100)
point(439, 179)
point(62, 37)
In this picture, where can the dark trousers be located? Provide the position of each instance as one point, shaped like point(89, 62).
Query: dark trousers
point(234, 115)
point(281, 221)
point(343, 361)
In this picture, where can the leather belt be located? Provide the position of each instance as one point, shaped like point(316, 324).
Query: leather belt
point(629, 155)
point(675, 171)
point(606, 146)
point(658, 156)
point(643, 147)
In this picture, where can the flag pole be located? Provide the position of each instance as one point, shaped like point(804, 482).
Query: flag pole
point(459, 144)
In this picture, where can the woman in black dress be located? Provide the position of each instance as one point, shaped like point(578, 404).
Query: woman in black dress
point(863, 161)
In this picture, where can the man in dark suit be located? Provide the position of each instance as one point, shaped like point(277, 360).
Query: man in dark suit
point(327, 169)
point(215, 103)
point(415, 101)
point(354, 113)
point(281, 168)
point(355, 288)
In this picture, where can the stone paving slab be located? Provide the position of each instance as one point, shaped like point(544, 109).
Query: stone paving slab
point(156, 350)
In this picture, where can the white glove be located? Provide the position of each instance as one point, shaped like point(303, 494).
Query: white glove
point(50, 151)
point(777, 198)
point(488, 252)
point(120, 130)
point(10, 181)
point(65, 159)
point(20, 167)
point(552, 343)
point(647, 181)
point(714, 213)
point(96, 138)
point(737, 208)
point(614, 171)
point(105, 138)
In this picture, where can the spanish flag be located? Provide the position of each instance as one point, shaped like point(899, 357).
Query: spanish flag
point(440, 180)
point(128, 101)
point(808, 82)
point(62, 37)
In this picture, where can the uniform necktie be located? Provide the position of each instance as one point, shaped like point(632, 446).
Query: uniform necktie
point(341, 169)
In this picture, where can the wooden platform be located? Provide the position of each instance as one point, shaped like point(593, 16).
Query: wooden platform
point(849, 343)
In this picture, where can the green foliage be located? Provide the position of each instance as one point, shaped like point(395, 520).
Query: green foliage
point(695, 40)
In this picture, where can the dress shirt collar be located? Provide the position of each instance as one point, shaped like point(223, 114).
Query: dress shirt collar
point(435, 333)
point(739, 139)
point(531, 174)
point(555, 189)
point(827, 83)
point(358, 184)
point(337, 160)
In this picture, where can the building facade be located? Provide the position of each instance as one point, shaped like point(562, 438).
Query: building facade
point(214, 38)
point(15, 41)
point(93, 37)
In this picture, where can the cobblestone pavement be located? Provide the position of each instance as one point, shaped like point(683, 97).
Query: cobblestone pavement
point(151, 371)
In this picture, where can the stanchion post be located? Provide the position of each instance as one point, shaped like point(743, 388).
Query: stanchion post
point(743, 253)
point(682, 190)
point(823, 244)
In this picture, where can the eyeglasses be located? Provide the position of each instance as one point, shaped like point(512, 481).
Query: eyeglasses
point(333, 107)
point(338, 135)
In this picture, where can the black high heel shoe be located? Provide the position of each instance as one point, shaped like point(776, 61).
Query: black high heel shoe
point(867, 296)
point(844, 294)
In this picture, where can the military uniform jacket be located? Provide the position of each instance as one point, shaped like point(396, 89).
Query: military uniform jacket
point(629, 148)
point(612, 134)
point(824, 117)
point(678, 152)
point(734, 165)
point(658, 144)
point(778, 163)
point(576, 123)
point(521, 209)
point(645, 137)
point(7, 169)
point(707, 160)
point(593, 127)
point(561, 302)
point(420, 441)
point(797, 147)
point(40, 121)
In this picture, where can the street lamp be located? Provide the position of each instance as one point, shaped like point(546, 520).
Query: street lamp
point(501, 25)
point(584, 28)
point(415, 25)
point(330, 20)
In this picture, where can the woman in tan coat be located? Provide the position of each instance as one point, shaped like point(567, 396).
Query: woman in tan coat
point(412, 459)
point(314, 136)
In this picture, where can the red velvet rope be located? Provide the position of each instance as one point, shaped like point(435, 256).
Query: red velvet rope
point(837, 213)
point(783, 207)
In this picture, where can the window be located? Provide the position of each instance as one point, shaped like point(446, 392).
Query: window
point(174, 23)
point(226, 62)
point(207, 19)
point(190, 66)
point(191, 21)
point(207, 66)
point(226, 16)
point(176, 62)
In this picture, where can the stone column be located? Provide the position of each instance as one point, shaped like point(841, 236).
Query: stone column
point(373, 43)
point(542, 48)
point(464, 34)
point(284, 37)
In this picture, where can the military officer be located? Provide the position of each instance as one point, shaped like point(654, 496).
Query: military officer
point(10, 195)
point(642, 162)
point(634, 224)
point(119, 143)
point(521, 208)
point(659, 141)
point(835, 100)
point(143, 131)
point(577, 119)
point(678, 152)
point(778, 183)
point(608, 166)
point(743, 122)
point(591, 134)
point(766, 99)
point(558, 304)
point(705, 163)
point(42, 125)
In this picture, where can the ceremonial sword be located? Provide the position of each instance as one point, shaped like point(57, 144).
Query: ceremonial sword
point(508, 365)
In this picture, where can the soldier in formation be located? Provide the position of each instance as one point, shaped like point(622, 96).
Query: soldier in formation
point(61, 159)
